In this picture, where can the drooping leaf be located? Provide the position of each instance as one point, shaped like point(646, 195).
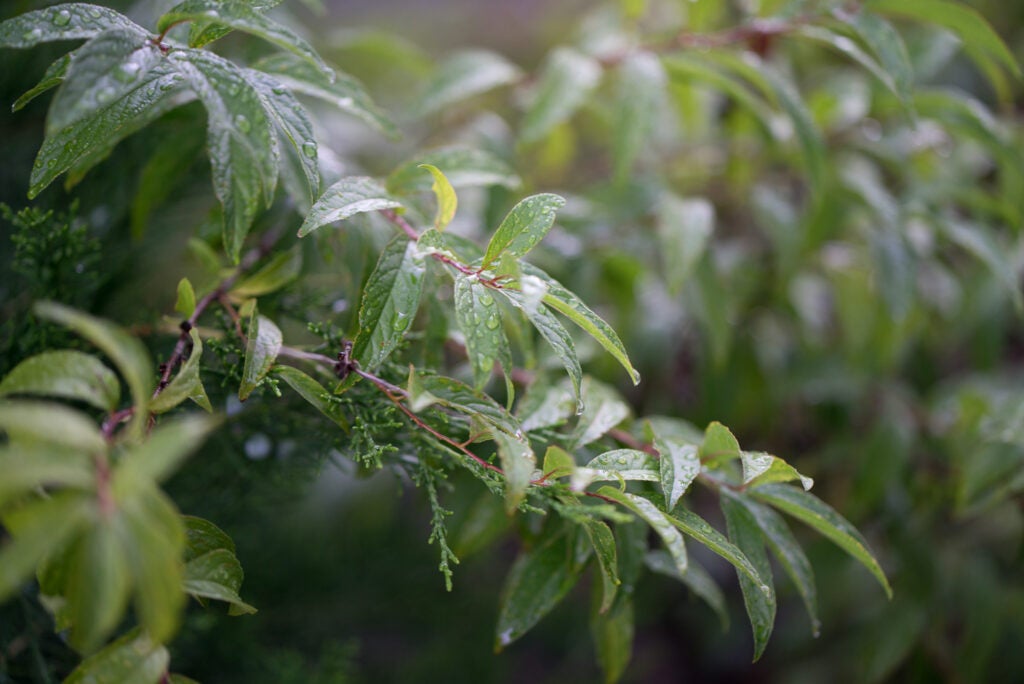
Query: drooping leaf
point(719, 445)
point(697, 579)
point(810, 509)
point(242, 17)
point(167, 446)
point(313, 392)
point(464, 75)
point(278, 272)
point(603, 541)
point(539, 579)
point(50, 423)
point(698, 528)
point(523, 227)
point(132, 658)
point(612, 632)
point(452, 394)
point(217, 575)
point(887, 43)
point(98, 587)
point(464, 167)
point(566, 80)
point(760, 604)
point(187, 384)
point(684, 229)
point(203, 32)
point(52, 77)
point(479, 318)
point(518, 462)
point(640, 87)
point(348, 197)
point(444, 193)
point(390, 301)
point(663, 525)
point(760, 468)
point(679, 466)
point(67, 374)
point(603, 409)
point(70, 21)
point(261, 349)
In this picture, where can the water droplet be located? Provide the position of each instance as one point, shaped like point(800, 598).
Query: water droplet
point(127, 72)
point(309, 149)
point(243, 124)
point(104, 95)
point(62, 18)
point(492, 322)
point(212, 13)
point(401, 322)
point(32, 35)
point(486, 299)
point(623, 460)
point(279, 90)
point(233, 89)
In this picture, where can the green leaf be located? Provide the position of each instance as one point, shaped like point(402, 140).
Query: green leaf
point(603, 409)
point(28, 465)
point(760, 468)
point(566, 80)
point(855, 52)
point(619, 465)
point(242, 145)
point(684, 229)
point(464, 75)
point(98, 587)
point(162, 453)
point(462, 398)
point(539, 579)
point(719, 445)
point(313, 392)
point(187, 384)
point(558, 463)
point(217, 575)
point(698, 528)
point(464, 167)
point(984, 247)
point(52, 77)
point(612, 632)
point(966, 22)
point(348, 197)
point(787, 549)
point(679, 466)
point(202, 536)
point(261, 349)
point(823, 518)
point(640, 87)
point(390, 301)
point(603, 541)
point(662, 525)
point(168, 165)
point(518, 463)
point(887, 43)
point(241, 17)
point(696, 579)
point(38, 529)
point(105, 69)
point(132, 658)
point(523, 227)
point(479, 318)
point(344, 92)
point(278, 272)
point(185, 304)
point(293, 126)
point(50, 423)
point(70, 21)
point(572, 307)
point(66, 374)
point(760, 604)
point(485, 522)
point(447, 202)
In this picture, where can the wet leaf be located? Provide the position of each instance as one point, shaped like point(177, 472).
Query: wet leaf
point(67, 374)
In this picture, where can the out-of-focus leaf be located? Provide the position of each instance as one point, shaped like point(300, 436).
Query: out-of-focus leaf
point(566, 80)
point(612, 632)
point(603, 541)
point(30, 464)
point(132, 658)
point(98, 587)
point(261, 349)
point(313, 392)
point(464, 75)
point(348, 197)
point(50, 423)
point(390, 301)
point(854, 51)
point(278, 272)
point(823, 518)
point(760, 468)
point(523, 227)
point(187, 384)
point(484, 523)
point(70, 21)
point(464, 167)
point(217, 575)
point(67, 374)
point(760, 604)
point(887, 43)
point(479, 318)
point(663, 525)
point(159, 456)
point(168, 163)
point(518, 462)
point(447, 202)
point(640, 86)
point(53, 77)
point(696, 578)
point(984, 247)
point(684, 229)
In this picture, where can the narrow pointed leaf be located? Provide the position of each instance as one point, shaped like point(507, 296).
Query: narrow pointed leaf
point(663, 525)
point(263, 344)
point(684, 229)
point(464, 167)
point(53, 77)
point(28, 465)
point(612, 632)
point(348, 197)
point(760, 605)
point(163, 452)
point(697, 579)
point(719, 445)
point(810, 509)
point(185, 304)
point(241, 17)
point(390, 301)
point(603, 409)
point(70, 21)
point(278, 272)
point(479, 318)
point(67, 374)
point(187, 384)
point(518, 463)
point(603, 541)
point(132, 658)
point(855, 52)
point(457, 396)
point(313, 392)
point(640, 87)
point(566, 80)
point(464, 75)
point(679, 466)
point(98, 587)
point(217, 575)
point(525, 226)
point(760, 468)
point(698, 528)
point(887, 43)
point(444, 193)
point(52, 423)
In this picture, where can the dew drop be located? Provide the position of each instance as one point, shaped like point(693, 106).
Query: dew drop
point(401, 322)
point(95, 13)
point(243, 124)
point(32, 35)
point(233, 89)
point(62, 18)
point(127, 72)
point(492, 322)
point(486, 299)
point(104, 95)
point(309, 149)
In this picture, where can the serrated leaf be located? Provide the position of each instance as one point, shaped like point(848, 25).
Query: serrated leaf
point(603, 541)
point(187, 384)
point(698, 528)
point(132, 658)
point(684, 229)
point(167, 446)
point(70, 21)
point(539, 579)
point(463, 75)
point(523, 227)
point(464, 167)
point(603, 409)
point(479, 318)
point(241, 17)
point(261, 349)
point(390, 301)
point(278, 272)
point(810, 509)
point(457, 396)
point(612, 632)
point(619, 465)
point(640, 87)
point(518, 462)
point(697, 579)
point(28, 465)
point(348, 197)
point(565, 81)
point(663, 525)
point(313, 392)
point(67, 374)
point(52, 77)
point(105, 69)
point(293, 126)
point(572, 307)
point(50, 423)
point(38, 529)
point(447, 202)
point(345, 92)
point(760, 468)
point(760, 604)
point(185, 304)
point(719, 445)
point(217, 575)
point(202, 536)
point(242, 145)
point(98, 587)
point(679, 466)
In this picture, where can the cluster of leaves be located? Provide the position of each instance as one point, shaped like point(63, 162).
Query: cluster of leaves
point(84, 507)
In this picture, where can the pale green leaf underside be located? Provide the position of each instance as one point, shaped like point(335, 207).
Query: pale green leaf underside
point(67, 374)
point(518, 462)
point(348, 197)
